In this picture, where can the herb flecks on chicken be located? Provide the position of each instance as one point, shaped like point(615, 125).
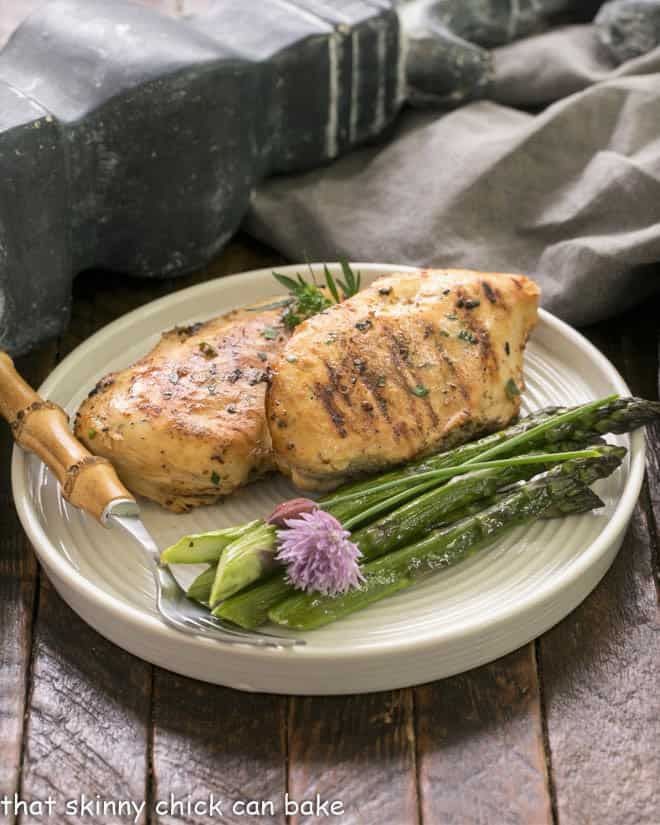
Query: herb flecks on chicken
point(414, 363)
point(185, 425)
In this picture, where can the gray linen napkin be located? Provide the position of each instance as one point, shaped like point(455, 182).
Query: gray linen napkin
point(569, 195)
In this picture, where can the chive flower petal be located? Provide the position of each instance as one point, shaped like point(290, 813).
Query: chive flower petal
point(319, 555)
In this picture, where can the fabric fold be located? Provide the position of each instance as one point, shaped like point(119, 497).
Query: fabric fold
point(569, 195)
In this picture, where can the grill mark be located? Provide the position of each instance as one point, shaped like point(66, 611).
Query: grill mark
point(370, 382)
point(489, 292)
point(490, 361)
point(327, 399)
point(404, 350)
point(400, 347)
point(332, 374)
point(458, 383)
point(429, 406)
point(399, 355)
point(341, 391)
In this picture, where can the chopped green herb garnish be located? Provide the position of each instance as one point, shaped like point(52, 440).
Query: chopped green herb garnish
point(330, 281)
point(420, 391)
point(308, 299)
point(466, 335)
point(215, 478)
point(511, 389)
point(351, 283)
point(451, 317)
point(444, 333)
point(270, 333)
point(207, 350)
point(91, 433)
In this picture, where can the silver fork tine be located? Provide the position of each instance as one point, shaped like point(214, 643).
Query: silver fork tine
point(192, 628)
point(175, 607)
point(202, 624)
point(279, 641)
point(209, 627)
point(184, 624)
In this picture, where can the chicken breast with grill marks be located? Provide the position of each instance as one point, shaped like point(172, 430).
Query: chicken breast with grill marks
point(412, 364)
point(186, 424)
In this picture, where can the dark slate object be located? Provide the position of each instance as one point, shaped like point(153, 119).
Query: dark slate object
point(494, 22)
point(441, 67)
point(629, 28)
point(133, 142)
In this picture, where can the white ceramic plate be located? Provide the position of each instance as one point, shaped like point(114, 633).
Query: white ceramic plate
point(463, 617)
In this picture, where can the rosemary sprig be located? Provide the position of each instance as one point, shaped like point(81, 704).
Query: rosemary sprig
point(308, 299)
point(352, 283)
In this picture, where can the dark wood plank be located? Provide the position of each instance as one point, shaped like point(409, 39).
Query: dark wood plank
point(18, 580)
point(88, 717)
point(69, 745)
point(212, 743)
point(207, 739)
point(601, 668)
point(641, 356)
point(600, 673)
point(480, 746)
point(89, 709)
point(357, 750)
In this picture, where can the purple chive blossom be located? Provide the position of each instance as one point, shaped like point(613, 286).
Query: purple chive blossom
point(319, 554)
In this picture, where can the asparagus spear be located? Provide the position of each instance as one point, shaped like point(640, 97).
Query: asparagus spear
point(411, 520)
point(447, 473)
point(440, 549)
point(583, 501)
point(250, 609)
point(200, 589)
point(543, 429)
point(609, 415)
point(245, 560)
point(203, 547)
point(253, 556)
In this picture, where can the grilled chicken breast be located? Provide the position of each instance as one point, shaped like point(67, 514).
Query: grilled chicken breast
point(186, 424)
point(412, 364)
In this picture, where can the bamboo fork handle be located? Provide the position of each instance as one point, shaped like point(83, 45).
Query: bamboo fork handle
point(88, 481)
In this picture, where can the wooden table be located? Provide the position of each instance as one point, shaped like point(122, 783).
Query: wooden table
point(565, 730)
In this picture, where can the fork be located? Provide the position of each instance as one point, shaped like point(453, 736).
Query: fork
point(90, 483)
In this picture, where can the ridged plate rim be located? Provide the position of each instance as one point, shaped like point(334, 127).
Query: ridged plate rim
point(85, 595)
